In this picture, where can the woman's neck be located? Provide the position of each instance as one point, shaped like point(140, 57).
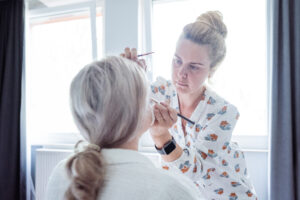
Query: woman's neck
point(189, 102)
point(131, 145)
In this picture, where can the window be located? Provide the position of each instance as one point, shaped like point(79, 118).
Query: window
point(242, 77)
point(60, 41)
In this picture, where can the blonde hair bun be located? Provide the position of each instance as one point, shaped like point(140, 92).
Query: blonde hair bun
point(214, 19)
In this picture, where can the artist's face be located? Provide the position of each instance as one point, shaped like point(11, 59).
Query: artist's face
point(190, 67)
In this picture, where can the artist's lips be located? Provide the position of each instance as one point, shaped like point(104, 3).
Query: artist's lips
point(182, 84)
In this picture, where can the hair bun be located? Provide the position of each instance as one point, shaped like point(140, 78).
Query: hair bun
point(214, 19)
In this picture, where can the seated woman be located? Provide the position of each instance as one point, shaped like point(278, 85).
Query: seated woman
point(110, 106)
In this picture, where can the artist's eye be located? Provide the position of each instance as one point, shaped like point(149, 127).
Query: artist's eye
point(194, 68)
point(177, 61)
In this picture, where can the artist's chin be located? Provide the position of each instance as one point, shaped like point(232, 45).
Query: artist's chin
point(182, 88)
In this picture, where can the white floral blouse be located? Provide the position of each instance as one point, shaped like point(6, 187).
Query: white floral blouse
point(215, 164)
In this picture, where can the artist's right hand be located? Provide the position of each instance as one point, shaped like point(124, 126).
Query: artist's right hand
point(132, 55)
point(165, 118)
point(165, 115)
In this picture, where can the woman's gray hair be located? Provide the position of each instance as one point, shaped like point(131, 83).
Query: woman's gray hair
point(109, 100)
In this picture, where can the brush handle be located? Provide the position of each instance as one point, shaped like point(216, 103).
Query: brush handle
point(145, 54)
point(185, 118)
point(178, 114)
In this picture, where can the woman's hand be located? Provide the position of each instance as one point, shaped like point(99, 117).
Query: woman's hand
point(165, 117)
point(131, 54)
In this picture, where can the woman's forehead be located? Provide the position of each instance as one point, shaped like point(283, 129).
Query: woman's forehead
point(192, 52)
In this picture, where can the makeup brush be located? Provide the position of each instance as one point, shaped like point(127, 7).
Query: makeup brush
point(145, 54)
point(178, 114)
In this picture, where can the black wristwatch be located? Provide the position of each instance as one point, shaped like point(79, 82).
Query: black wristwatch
point(167, 148)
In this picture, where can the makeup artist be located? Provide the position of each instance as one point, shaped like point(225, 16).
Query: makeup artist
point(201, 150)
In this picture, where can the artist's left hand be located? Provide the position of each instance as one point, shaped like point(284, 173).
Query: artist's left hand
point(131, 54)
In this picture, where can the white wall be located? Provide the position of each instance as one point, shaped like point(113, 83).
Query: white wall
point(257, 163)
point(120, 25)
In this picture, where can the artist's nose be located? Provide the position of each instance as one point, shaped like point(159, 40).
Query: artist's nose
point(182, 72)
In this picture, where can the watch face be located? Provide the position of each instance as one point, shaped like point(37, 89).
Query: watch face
point(167, 148)
point(170, 147)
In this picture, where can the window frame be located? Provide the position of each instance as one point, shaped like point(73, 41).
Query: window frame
point(90, 6)
point(39, 14)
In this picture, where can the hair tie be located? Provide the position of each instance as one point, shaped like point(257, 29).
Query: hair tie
point(82, 146)
point(93, 147)
point(77, 146)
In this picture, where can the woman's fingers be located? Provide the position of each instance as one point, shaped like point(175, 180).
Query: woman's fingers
point(162, 110)
point(158, 116)
point(127, 53)
point(172, 111)
point(173, 115)
point(165, 116)
point(133, 54)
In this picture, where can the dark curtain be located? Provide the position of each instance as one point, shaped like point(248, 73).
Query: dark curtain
point(285, 127)
point(12, 176)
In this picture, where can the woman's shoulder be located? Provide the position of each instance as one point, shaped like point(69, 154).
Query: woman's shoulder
point(134, 173)
point(161, 84)
point(162, 89)
point(58, 181)
point(160, 182)
point(176, 185)
point(138, 169)
point(217, 102)
point(59, 171)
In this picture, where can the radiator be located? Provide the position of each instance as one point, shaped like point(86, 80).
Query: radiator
point(47, 159)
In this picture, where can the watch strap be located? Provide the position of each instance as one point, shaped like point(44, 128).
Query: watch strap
point(167, 148)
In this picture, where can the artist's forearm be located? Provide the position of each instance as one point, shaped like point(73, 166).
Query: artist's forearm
point(161, 140)
point(174, 155)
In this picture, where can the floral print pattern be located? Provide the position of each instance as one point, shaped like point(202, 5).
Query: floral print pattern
point(210, 159)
